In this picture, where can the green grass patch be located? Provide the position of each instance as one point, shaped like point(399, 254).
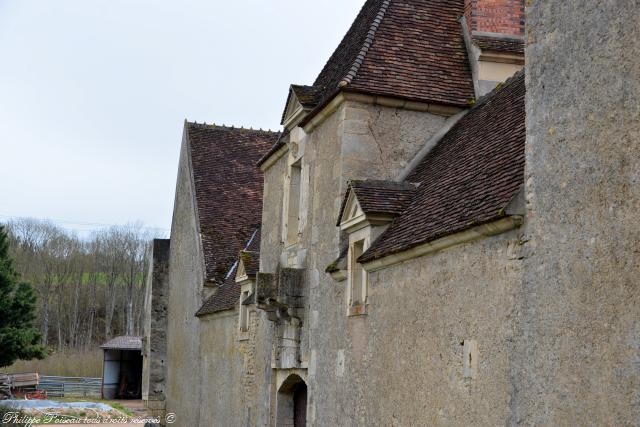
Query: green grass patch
point(120, 408)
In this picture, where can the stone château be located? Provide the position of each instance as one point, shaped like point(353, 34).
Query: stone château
point(445, 231)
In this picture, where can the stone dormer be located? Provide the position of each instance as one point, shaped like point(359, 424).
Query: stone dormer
point(301, 100)
point(248, 262)
point(247, 266)
point(373, 203)
point(367, 209)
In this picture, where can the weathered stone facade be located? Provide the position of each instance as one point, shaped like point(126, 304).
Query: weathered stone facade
point(403, 363)
point(357, 141)
point(580, 330)
point(186, 272)
point(527, 318)
point(154, 342)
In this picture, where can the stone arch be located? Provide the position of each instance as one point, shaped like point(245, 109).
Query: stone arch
point(292, 403)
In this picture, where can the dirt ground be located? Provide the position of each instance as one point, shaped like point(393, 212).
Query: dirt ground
point(135, 406)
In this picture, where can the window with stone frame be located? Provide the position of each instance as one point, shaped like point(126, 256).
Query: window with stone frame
point(292, 214)
point(357, 278)
point(244, 312)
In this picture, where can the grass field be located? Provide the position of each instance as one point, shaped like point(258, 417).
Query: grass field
point(66, 364)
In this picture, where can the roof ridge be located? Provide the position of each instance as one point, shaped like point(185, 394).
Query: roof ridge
point(206, 125)
point(368, 41)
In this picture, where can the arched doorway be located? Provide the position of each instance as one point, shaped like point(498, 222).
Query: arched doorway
point(292, 403)
point(300, 405)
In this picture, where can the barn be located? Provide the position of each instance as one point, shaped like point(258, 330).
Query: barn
point(122, 368)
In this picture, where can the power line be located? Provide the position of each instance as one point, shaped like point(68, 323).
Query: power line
point(89, 225)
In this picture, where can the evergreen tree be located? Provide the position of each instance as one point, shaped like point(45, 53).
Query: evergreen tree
point(18, 336)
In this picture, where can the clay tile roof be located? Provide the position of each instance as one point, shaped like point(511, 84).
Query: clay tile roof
point(225, 298)
point(411, 49)
point(500, 44)
point(251, 261)
point(228, 190)
point(125, 342)
point(386, 197)
point(282, 141)
point(227, 295)
point(469, 178)
point(307, 95)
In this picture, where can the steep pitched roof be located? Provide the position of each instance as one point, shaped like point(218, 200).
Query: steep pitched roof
point(228, 190)
point(386, 197)
point(411, 49)
point(227, 295)
point(469, 178)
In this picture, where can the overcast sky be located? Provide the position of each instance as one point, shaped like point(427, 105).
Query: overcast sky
point(93, 93)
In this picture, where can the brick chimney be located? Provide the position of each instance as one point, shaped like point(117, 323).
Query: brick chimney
point(495, 16)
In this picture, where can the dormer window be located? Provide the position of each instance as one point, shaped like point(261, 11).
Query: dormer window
point(246, 278)
point(301, 100)
point(367, 210)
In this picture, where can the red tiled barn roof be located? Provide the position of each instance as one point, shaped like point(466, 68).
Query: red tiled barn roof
point(227, 295)
point(228, 190)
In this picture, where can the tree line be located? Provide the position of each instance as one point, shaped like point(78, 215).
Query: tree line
point(89, 289)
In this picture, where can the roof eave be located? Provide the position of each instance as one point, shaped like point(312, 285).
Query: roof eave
point(271, 159)
point(492, 228)
point(319, 114)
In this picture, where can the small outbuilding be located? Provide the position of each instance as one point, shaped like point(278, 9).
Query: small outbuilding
point(122, 368)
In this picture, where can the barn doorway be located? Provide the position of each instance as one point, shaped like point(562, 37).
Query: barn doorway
point(292, 403)
point(122, 368)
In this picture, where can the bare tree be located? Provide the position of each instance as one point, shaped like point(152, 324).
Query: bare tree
point(89, 290)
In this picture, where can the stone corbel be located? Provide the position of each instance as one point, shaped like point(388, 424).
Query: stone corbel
point(280, 295)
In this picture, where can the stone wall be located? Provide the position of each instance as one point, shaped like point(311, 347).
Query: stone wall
point(403, 363)
point(186, 273)
point(154, 344)
point(578, 362)
point(221, 372)
point(357, 141)
point(236, 378)
point(271, 232)
point(537, 326)
point(214, 378)
point(377, 142)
